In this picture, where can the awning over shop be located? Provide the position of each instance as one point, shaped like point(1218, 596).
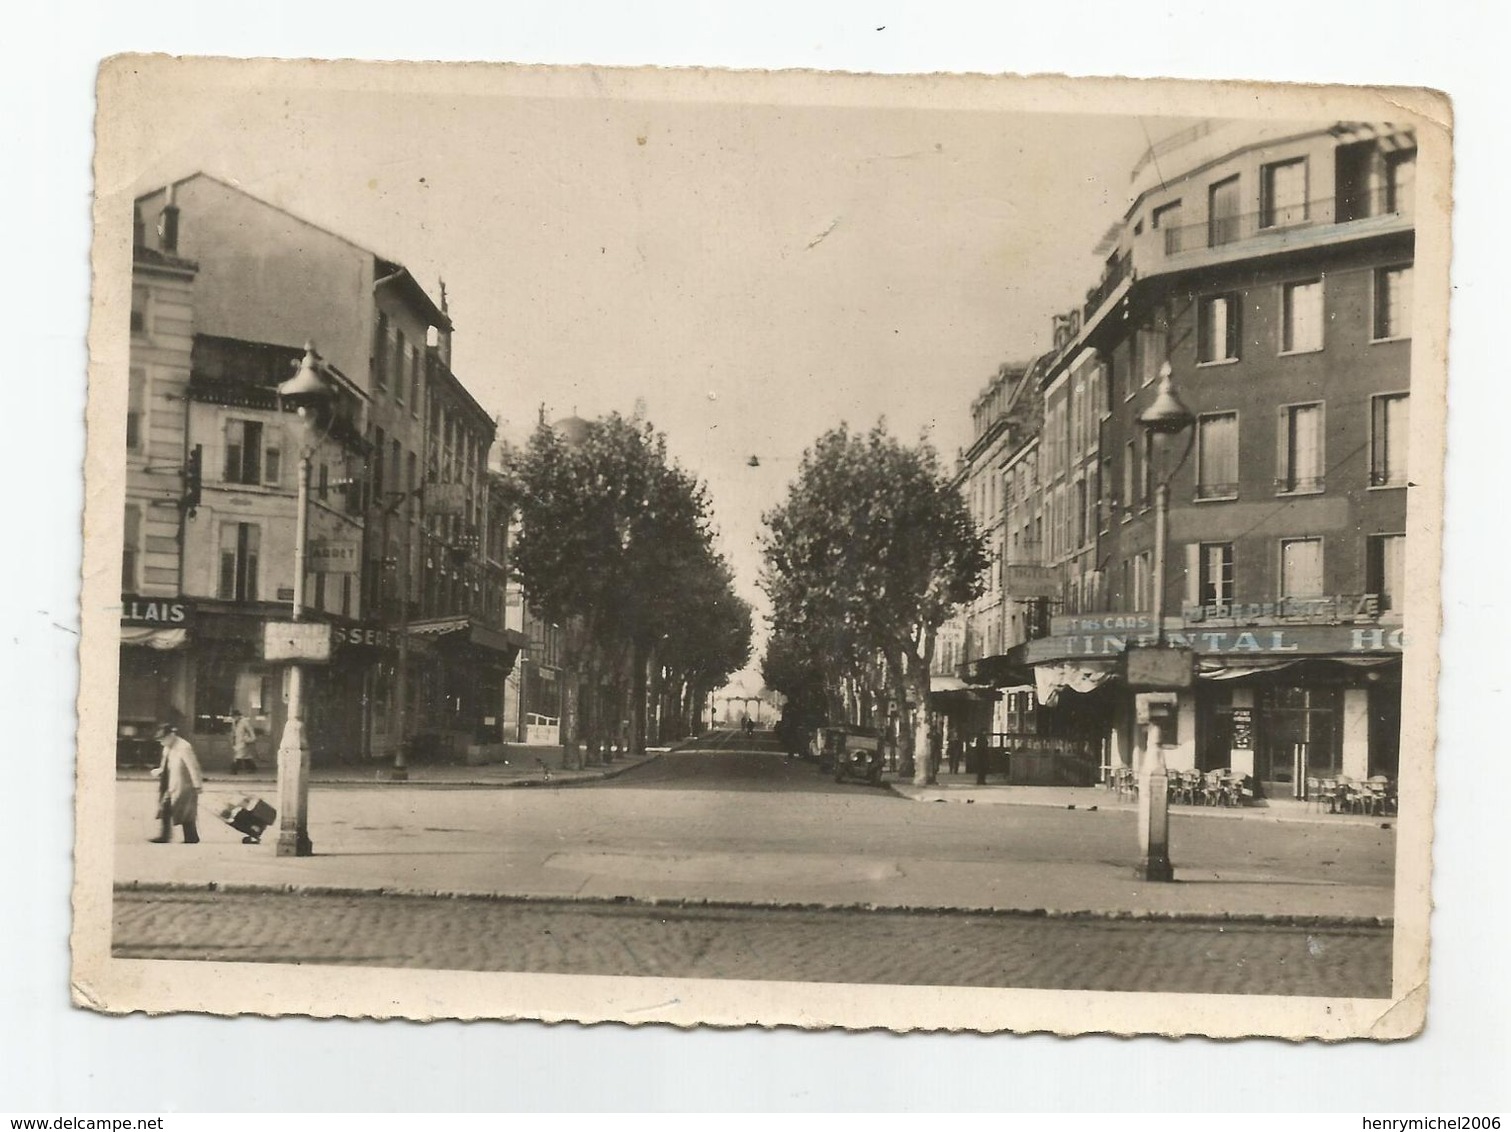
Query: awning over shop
point(944, 687)
point(467, 631)
point(1001, 671)
point(1079, 676)
point(144, 637)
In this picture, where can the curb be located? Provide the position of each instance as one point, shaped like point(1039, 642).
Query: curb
point(1226, 814)
point(1250, 919)
point(450, 784)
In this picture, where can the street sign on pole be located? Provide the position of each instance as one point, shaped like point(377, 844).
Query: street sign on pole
point(304, 641)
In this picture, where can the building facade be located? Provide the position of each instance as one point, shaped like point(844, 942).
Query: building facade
point(1271, 271)
point(232, 289)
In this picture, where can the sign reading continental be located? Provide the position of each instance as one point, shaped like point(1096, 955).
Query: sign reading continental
point(334, 556)
point(1296, 640)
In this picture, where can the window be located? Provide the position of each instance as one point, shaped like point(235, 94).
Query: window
point(1400, 180)
point(319, 602)
point(1141, 592)
point(1390, 414)
point(1385, 570)
point(1217, 456)
point(136, 395)
point(380, 352)
point(1282, 193)
point(1130, 479)
point(414, 382)
point(1217, 329)
point(1300, 567)
point(346, 595)
point(139, 300)
point(243, 452)
point(1392, 303)
point(239, 546)
point(1084, 526)
point(400, 352)
point(1149, 345)
point(131, 548)
point(1166, 218)
point(379, 444)
point(1222, 213)
point(1301, 464)
point(1301, 317)
point(1214, 574)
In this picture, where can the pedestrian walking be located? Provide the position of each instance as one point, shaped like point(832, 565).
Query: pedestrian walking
point(954, 750)
point(978, 754)
point(936, 746)
point(179, 784)
point(243, 743)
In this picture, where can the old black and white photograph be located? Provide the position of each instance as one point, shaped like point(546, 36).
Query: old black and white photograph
point(742, 548)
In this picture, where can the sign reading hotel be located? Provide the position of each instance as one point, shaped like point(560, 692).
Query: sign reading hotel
point(334, 556)
point(296, 640)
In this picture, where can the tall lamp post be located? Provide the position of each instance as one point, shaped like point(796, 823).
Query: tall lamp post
point(310, 395)
point(1165, 417)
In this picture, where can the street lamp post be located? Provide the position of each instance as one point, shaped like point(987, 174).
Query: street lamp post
point(308, 391)
point(1166, 416)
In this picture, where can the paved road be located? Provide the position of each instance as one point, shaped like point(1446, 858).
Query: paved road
point(992, 950)
point(751, 826)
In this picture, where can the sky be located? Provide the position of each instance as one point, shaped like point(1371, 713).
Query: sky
point(751, 265)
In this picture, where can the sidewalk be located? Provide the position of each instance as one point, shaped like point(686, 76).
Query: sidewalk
point(528, 768)
point(962, 788)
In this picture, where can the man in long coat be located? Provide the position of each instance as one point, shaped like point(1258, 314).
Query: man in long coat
point(179, 783)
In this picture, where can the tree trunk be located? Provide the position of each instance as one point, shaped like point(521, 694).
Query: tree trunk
point(637, 688)
point(919, 664)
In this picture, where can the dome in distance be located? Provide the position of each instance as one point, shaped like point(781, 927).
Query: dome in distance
point(572, 430)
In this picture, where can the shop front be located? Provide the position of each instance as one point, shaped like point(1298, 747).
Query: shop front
point(460, 708)
point(1280, 703)
point(152, 685)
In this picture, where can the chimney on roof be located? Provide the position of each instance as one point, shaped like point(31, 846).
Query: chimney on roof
point(167, 225)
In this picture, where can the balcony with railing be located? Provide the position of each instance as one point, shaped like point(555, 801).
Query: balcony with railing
point(1278, 227)
point(1117, 270)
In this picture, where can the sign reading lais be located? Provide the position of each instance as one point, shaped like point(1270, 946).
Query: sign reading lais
point(156, 611)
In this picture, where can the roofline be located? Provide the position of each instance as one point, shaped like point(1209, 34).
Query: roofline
point(455, 384)
point(378, 257)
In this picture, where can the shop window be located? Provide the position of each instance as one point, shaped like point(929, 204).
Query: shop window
point(1301, 443)
point(1301, 317)
point(1300, 568)
point(1392, 318)
point(1282, 193)
point(1385, 571)
point(1389, 420)
point(215, 682)
point(1217, 329)
point(1217, 456)
point(239, 550)
point(131, 549)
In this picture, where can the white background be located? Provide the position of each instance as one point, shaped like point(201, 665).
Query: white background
point(57, 1059)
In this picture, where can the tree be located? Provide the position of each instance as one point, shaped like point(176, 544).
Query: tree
point(611, 536)
point(872, 550)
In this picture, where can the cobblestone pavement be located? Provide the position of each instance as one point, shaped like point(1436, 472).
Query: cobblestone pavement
point(981, 950)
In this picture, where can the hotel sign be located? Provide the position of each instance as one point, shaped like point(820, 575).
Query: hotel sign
point(1269, 642)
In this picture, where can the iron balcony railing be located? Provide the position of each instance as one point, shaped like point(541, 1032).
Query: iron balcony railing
point(1116, 272)
point(1280, 220)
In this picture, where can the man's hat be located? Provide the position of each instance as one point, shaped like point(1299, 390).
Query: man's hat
point(164, 729)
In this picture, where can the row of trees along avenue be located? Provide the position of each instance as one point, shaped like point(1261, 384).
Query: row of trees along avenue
point(615, 547)
point(864, 561)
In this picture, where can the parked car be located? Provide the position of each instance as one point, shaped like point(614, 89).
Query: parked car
point(851, 752)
